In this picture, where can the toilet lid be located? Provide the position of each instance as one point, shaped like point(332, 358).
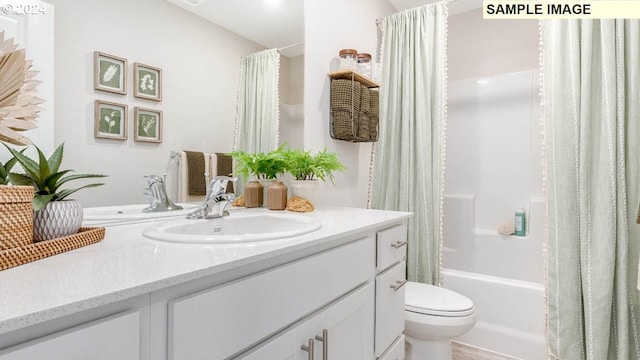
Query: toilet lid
point(434, 300)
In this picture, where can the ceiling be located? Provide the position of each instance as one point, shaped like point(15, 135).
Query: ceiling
point(270, 23)
point(280, 23)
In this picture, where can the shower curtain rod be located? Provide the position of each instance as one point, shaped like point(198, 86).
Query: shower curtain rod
point(379, 21)
point(290, 46)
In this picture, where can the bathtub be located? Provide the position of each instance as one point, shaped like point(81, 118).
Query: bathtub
point(510, 313)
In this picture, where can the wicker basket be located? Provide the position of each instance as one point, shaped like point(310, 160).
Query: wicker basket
point(16, 216)
point(40, 250)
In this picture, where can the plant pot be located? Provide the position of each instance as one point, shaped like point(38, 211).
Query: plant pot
point(57, 219)
point(306, 189)
point(16, 216)
point(253, 194)
point(277, 196)
point(265, 185)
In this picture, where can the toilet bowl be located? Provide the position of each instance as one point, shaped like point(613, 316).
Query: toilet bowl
point(433, 316)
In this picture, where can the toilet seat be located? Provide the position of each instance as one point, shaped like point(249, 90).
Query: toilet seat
point(436, 301)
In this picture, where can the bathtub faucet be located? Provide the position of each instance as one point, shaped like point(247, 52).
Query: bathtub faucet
point(157, 194)
point(217, 199)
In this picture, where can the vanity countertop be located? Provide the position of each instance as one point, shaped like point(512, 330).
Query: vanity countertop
point(126, 264)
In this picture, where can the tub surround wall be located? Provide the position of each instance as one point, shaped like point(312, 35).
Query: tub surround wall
point(200, 64)
point(326, 32)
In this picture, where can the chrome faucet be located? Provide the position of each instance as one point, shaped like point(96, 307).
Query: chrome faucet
point(217, 199)
point(157, 194)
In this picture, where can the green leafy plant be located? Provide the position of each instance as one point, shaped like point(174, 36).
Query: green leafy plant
point(304, 166)
point(4, 170)
point(261, 165)
point(46, 177)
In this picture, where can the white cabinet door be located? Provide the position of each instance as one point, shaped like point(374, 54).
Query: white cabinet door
point(287, 346)
point(348, 327)
point(115, 337)
point(389, 306)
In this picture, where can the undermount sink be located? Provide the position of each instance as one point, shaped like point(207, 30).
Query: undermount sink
point(236, 228)
point(131, 212)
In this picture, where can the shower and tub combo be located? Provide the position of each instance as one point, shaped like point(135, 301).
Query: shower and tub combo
point(493, 167)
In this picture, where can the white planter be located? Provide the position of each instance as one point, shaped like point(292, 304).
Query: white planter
point(306, 189)
point(57, 219)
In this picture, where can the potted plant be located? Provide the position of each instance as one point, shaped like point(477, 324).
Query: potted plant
point(265, 167)
point(16, 214)
point(54, 215)
point(307, 169)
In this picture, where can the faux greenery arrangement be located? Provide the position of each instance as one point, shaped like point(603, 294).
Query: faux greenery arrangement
point(4, 170)
point(304, 166)
point(46, 177)
point(261, 165)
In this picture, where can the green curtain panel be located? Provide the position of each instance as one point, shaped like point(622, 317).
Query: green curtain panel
point(591, 89)
point(408, 158)
point(258, 115)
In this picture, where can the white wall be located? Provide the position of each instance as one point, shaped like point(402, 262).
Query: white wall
point(292, 101)
point(331, 25)
point(200, 63)
point(479, 47)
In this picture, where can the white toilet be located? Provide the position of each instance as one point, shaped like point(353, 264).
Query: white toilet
point(432, 317)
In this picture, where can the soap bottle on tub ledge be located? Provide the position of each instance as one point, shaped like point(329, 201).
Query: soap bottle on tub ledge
point(521, 222)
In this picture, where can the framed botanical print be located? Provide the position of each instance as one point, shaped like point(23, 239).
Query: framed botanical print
point(110, 120)
point(109, 73)
point(147, 125)
point(147, 82)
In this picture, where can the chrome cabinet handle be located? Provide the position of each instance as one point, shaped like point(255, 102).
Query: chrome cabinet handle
point(399, 244)
point(324, 339)
point(399, 284)
point(309, 349)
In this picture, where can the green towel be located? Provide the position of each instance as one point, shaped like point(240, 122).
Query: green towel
point(195, 172)
point(225, 168)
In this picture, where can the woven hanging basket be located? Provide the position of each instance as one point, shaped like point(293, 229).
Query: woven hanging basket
point(16, 216)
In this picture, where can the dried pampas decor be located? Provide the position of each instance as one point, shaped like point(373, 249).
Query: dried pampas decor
point(18, 94)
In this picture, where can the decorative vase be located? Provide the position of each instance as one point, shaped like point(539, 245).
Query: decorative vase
point(57, 219)
point(277, 198)
point(253, 194)
point(306, 189)
point(265, 185)
point(16, 216)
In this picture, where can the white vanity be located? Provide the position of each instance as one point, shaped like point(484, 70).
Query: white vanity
point(335, 293)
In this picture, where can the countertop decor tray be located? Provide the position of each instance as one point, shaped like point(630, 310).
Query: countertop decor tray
point(40, 250)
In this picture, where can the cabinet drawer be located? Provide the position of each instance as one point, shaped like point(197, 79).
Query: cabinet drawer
point(219, 322)
point(391, 246)
point(115, 337)
point(389, 307)
point(396, 351)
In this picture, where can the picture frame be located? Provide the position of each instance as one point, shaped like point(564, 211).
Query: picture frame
point(109, 73)
point(147, 83)
point(110, 120)
point(147, 125)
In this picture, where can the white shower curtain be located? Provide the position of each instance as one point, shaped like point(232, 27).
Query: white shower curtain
point(591, 72)
point(408, 158)
point(258, 114)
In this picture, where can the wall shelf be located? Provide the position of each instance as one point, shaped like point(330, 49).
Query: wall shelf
point(353, 75)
